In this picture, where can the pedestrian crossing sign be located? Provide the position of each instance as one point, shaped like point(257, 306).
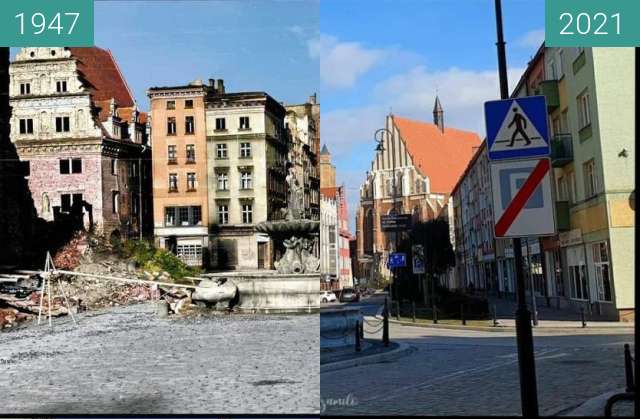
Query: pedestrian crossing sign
point(517, 128)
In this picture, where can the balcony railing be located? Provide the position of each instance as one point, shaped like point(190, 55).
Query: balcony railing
point(549, 89)
point(563, 216)
point(561, 150)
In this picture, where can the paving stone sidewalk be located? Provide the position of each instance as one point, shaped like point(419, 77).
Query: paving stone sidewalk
point(126, 360)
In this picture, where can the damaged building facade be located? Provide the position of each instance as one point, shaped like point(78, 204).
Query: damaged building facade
point(220, 167)
point(81, 141)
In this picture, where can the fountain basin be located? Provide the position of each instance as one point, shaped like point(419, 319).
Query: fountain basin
point(271, 292)
point(337, 326)
point(289, 228)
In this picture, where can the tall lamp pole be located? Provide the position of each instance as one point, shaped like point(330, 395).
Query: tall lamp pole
point(380, 147)
point(524, 334)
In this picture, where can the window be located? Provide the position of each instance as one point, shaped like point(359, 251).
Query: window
point(64, 167)
point(245, 180)
point(191, 181)
point(189, 125)
point(571, 187)
point(65, 202)
point(25, 88)
point(247, 213)
point(552, 70)
point(26, 126)
point(562, 189)
point(590, 184)
point(221, 151)
point(245, 150)
point(557, 126)
point(223, 214)
point(220, 124)
point(584, 113)
point(171, 104)
point(114, 167)
point(70, 166)
point(560, 64)
point(244, 122)
point(61, 86)
point(191, 153)
point(171, 126)
point(115, 201)
point(76, 165)
point(170, 216)
point(182, 216)
point(188, 104)
point(191, 254)
point(223, 181)
point(578, 279)
point(601, 262)
point(62, 124)
point(171, 154)
point(173, 182)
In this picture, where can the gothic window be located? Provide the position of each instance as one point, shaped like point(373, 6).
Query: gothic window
point(368, 231)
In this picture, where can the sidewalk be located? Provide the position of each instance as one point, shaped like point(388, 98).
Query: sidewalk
point(373, 351)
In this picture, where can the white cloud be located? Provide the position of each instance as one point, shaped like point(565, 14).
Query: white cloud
point(342, 63)
point(411, 94)
point(531, 39)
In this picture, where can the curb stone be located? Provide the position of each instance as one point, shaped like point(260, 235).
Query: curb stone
point(503, 328)
point(402, 350)
point(592, 407)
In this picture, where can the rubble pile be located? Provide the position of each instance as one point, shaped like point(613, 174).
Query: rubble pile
point(70, 256)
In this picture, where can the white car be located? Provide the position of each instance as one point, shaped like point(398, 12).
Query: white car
point(327, 296)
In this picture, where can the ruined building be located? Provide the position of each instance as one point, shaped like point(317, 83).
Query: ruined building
point(81, 140)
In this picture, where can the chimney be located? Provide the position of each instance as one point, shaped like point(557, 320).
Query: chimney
point(313, 99)
point(220, 87)
point(212, 83)
point(438, 115)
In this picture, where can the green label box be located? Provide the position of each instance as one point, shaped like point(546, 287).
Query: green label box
point(46, 23)
point(592, 23)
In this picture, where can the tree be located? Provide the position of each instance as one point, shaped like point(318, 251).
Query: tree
point(439, 257)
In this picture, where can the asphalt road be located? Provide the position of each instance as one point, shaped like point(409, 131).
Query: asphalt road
point(460, 372)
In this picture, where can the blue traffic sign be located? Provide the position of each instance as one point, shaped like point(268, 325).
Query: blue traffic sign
point(517, 128)
point(397, 260)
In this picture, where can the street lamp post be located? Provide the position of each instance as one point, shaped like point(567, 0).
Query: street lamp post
point(380, 147)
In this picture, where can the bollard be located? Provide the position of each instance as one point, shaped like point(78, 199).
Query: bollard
point(495, 320)
point(358, 348)
point(385, 324)
point(584, 323)
point(435, 314)
point(162, 309)
point(398, 310)
point(413, 310)
point(628, 369)
point(464, 321)
point(362, 329)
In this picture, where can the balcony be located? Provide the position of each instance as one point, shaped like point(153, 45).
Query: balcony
point(561, 150)
point(549, 89)
point(563, 216)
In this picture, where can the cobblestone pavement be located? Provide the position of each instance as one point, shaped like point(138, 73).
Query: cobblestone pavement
point(456, 372)
point(125, 360)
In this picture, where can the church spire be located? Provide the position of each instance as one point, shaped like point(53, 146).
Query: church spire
point(438, 115)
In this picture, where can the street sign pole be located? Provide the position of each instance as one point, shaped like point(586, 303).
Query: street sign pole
point(524, 333)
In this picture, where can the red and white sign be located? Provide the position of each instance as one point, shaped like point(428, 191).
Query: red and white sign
point(522, 198)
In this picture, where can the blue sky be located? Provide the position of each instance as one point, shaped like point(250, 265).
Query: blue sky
point(382, 55)
point(250, 44)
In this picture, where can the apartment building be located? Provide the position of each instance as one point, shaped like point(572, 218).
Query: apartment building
point(181, 206)
point(81, 140)
point(247, 153)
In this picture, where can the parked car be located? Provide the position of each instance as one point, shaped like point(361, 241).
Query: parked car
point(349, 295)
point(327, 296)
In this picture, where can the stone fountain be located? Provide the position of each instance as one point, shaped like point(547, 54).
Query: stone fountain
point(294, 286)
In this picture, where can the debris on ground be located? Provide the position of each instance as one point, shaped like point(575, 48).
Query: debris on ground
point(84, 253)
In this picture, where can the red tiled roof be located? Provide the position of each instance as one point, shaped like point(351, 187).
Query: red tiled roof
point(329, 192)
point(99, 68)
point(440, 156)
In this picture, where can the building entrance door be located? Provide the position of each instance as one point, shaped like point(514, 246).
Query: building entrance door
point(262, 254)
